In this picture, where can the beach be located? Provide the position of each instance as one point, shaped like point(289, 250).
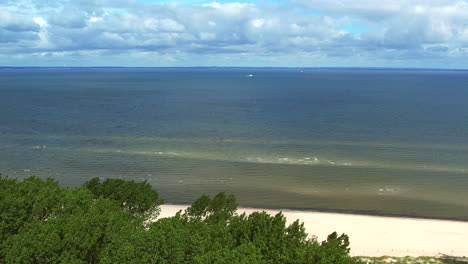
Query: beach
point(375, 235)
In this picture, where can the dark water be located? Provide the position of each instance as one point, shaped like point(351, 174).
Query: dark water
point(371, 141)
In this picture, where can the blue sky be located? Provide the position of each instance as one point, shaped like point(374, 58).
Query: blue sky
point(283, 33)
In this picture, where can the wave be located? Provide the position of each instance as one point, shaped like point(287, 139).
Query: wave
point(221, 157)
point(284, 160)
point(360, 164)
point(230, 150)
point(298, 161)
point(253, 141)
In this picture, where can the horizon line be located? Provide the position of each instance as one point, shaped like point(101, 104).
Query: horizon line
point(244, 67)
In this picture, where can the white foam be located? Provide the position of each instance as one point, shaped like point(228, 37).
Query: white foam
point(296, 161)
point(39, 147)
point(387, 190)
point(287, 160)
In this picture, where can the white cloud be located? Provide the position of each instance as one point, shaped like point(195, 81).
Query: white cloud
point(258, 23)
point(336, 30)
point(40, 21)
point(43, 33)
point(95, 19)
point(402, 22)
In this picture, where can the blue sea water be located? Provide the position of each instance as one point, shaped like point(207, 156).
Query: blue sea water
point(377, 141)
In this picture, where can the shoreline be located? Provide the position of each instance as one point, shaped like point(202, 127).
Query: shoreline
point(373, 235)
point(344, 212)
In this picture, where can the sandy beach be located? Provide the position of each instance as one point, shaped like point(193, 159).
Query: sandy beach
point(376, 235)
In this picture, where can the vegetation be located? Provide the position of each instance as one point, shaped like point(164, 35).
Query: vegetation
point(108, 222)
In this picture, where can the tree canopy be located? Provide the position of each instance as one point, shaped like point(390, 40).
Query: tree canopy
point(107, 222)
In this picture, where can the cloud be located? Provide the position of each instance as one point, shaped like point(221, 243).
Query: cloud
point(11, 22)
point(308, 32)
point(384, 9)
point(402, 24)
point(16, 30)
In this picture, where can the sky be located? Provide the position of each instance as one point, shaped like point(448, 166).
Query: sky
point(251, 33)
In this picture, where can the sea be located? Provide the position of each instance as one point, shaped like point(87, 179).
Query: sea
point(352, 140)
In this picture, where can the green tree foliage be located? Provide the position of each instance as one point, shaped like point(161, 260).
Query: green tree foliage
point(30, 200)
point(244, 254)
point(212, 211)
point(136, 197)
point(77, 237)
point(104, 222)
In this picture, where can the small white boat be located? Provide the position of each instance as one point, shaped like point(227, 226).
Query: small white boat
point(249, 75)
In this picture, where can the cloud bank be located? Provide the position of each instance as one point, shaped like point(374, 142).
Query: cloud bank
point(296, 33)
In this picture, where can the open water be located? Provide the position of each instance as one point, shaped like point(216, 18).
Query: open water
point(374, 141)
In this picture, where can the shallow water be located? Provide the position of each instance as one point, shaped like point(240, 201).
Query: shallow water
point(371, 141)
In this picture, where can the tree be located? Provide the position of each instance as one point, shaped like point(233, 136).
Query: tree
point(136, 197)
point(244, 254)
point(334, 250)
point(75, 236)
point(106, 222)
point(214, 211)
point(30, 200)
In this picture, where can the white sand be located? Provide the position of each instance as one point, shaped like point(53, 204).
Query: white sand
point(376, 235)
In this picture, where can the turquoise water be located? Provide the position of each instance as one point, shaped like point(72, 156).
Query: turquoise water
point(392, 142)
